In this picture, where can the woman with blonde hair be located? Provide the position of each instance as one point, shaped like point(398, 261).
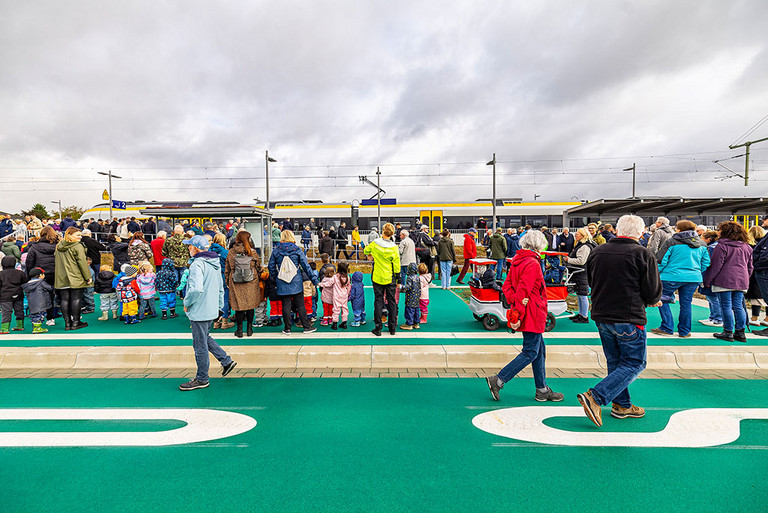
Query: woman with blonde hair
point(72, 276)
point(285, 270)
point(577, 260)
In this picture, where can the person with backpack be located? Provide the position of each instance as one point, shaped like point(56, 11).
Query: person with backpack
point(283, 268)
point(242, 271)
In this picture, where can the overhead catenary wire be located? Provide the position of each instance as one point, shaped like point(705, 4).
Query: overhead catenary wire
point(750, 131)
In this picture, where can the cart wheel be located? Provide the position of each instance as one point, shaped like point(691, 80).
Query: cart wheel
point(551, 321)
point(491, 322)
point(478, 317)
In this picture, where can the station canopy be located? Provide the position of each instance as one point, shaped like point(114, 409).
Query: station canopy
point(204, 211)
point(677, 205)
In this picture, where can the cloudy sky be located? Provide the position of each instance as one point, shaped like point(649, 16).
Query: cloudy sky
point(182, 98)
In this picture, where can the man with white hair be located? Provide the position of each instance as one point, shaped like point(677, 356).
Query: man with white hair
point(660, 236)
point(625, 280)
point(407, 250)
point(700, 229)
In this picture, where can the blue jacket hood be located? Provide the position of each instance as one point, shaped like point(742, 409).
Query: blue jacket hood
point(357, 276)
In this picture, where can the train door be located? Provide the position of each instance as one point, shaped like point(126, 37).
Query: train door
point(433, 219)
point(747, 221)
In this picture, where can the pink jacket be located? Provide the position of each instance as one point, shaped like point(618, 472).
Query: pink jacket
point(341, 292)
point(426, 279)
point(326, 296)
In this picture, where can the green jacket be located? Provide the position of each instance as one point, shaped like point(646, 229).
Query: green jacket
point(445, 250)
point(276, 234)
point(174, 249)
point(498, 246)
point(72, 270)
point(386, 260)
point(11, 249)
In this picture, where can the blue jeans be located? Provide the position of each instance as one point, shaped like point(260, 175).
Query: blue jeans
point(583, 305)
point(715, 310)
point(625, 352)
point(412, 315)
point(89, 302)
point(732, 303)
point(203, 342)
point(534, 353)
point(226, 311)
point(686, 291)
point(403, 274)
point(445, 273)
point(147, 304)
point(499, 268)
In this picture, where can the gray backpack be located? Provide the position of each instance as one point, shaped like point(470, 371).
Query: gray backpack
point(243, 272)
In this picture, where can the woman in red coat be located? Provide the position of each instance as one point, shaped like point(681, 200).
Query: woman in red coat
point(526, 292)
point(470, 251)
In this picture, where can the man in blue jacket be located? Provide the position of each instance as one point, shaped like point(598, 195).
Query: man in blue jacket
point(6, 227)
point(202, 304)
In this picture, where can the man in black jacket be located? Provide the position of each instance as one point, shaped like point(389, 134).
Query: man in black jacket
point(93, 250)
point(565, 241)
point(341, 241)
point(625, 279)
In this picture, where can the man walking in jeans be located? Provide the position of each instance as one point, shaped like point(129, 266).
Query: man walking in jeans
point(625, 279)
point(202, 304)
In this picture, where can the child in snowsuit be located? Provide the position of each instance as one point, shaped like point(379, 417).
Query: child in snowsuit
point(147, 291)
point(342, 286)
point(357, 298)
point(315, 276)
point(412, 295)
point(102, 285)
point(326, 296)
point(166, 282)
point(128, 290)
point(11, 295)
point(39, 294)
point(425, 279)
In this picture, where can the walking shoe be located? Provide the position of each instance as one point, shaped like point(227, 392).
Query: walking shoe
point(286, 332)
point(659, 331)
point(725, 335)
point(684, 336)
point(376, 332)
point(754, 322)
point(80, 325)
point(633, 411)
point(323, 323)
point(226, 369)
point(19, 325)
point(193, 385)
point(258, 325)
point(549, 395)
point(310, 329)
point(50, 322)
point(711, 322)
point(173, 314)
point(416, 326)
point(335, 326)
point(761, 333)
point(739, 336)
point(343, 325)
point(227, 324)
point(574, 317)
point(354, 324)
point(406, 327)
point(581, 320)
point(591, 408)
point(38, 328)
point(493, 386)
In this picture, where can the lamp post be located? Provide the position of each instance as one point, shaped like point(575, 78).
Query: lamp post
point(61, 217)
point(111, 176)
point(633, 178)
point(493, 163)
point(267, 160)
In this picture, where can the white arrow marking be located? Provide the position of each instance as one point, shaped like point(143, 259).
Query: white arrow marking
point(202, 425)
point(700, 427)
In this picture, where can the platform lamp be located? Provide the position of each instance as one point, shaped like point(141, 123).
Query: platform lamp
point(493, 163)
point(267, 160)
point(61, 217)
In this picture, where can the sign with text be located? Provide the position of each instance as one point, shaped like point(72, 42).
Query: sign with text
point(119, 205)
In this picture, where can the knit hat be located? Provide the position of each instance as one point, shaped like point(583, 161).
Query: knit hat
point(472, 230)
point(124, 267)
point(131, 270)
point(34, 273)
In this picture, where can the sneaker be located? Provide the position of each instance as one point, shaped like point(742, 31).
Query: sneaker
point(659, 331)
point(286, 332)
point(581, 320)
point(50, 322)
point(354, 324)
point(310, 329)
point(493, 386)
point(406, 327)
point(549, 395)
point(754, 322)
point(258, 325)
point(725, 335)
point(416, 326)
point(591, 408)
point(761, 333)
point(226, 369)
point(193, 385)
point(633, 411)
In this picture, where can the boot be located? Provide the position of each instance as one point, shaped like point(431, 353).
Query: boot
point(173, 313)
point(135, 320)
point(38, 328)
point(104, 316)
point(239, 330)
point(5, 328)
point(114, 315)
point(20, 325)
point(128, 319)
point(335, 326)
point(165, 315)
point(248, 329)
point(217, 324)
point(226, 323)
point(343, 325)
point(725, 335)
point(423, 319)
point(739, 336)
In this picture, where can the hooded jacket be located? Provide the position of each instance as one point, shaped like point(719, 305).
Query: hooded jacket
point(146, 284)
point(412, 287)
point(498, 246)
point(525, 280)
point(11, 249)
point(357, 294)
point(39, 294)
point(470, 246)
point(325, 245)
point(72, 270)
point(119, 254)
point(659, 237)
point(731, 265)
point(138, 251)
point(166, 279)
point(205, 287)
point(103, 283)
point(683, 258)
point(11, 280)
point(41, 254)
point(513, 244)
point(93, 249)
point(288, 250)
point(386, 260)
point(446, 251)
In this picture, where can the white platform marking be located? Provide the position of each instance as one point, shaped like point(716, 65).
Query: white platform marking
point(700, 427)
point(202, 425)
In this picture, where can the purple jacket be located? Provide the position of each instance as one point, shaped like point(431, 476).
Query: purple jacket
point(731, 265)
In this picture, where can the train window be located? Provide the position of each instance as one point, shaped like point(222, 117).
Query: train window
point(425, 220)
point(437, 223)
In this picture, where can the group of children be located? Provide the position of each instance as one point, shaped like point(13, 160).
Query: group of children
point(131, 294)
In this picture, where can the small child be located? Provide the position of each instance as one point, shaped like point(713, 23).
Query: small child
point(11, 295)
point(275, 303)
point(181, 289)
point(89, 301)
point(260, 315)
point(412, 295)
point(357, 298)
point(425, 279)
point(314, 275)
point(128, 290)
point(115, 282)
point(342, 286)
point(309, 289)
point(102, 285)
point(39, 294)
point(147, 291)
point(326, 295)
point(166, 282)
point(325, 259)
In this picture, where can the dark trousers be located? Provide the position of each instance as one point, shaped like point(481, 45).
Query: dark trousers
point(341, 247)
point(244, 315)
point(16, 307)
point(55, 297)
point(71, 302)
point(378, 305)
point(464, 269)
point(294, 303)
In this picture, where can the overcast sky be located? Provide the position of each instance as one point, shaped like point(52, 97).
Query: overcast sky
point(566, 93)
